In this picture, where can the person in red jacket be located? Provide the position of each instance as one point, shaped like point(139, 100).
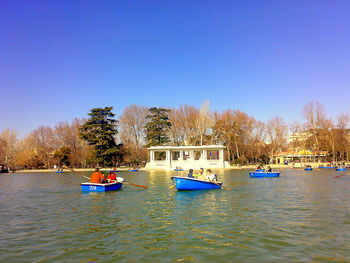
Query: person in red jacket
point(97, 177)
point(111, 176)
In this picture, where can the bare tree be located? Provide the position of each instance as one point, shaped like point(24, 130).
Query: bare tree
point(26, 154)
point(68, 135)
point(44, 144)
point(9, 139)
point(277, 132)
point(240, 133)
point(205, 121)
point(315, 115)
point(177, 131)
point(184, 130)
point(132, 123)
point(342, 136)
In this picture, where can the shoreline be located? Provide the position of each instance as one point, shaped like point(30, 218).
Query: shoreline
point(273, 166)
point(68, 170)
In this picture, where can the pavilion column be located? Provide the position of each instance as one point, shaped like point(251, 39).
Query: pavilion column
point(204, 154)
point(168, 158)
point(151, 156)
point(181, 155)
point(192, 155)
point(221, 155)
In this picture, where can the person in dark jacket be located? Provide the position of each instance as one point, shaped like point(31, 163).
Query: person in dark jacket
point(190, 173)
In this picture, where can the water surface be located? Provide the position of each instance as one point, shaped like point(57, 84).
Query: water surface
point(299, 217)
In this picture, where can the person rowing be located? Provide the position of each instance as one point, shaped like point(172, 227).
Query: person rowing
point(97, 177)
point(211, 177)
point(269, 169)
point(111, 177)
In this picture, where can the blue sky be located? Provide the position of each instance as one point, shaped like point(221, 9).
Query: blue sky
point(58, 59)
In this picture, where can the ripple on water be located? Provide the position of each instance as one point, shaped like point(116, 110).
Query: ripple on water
point(298, 217)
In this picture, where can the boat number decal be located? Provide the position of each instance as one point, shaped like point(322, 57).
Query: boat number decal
point(92, 187)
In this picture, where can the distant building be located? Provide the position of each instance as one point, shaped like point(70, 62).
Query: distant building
point(298, 155)
point(186, 157)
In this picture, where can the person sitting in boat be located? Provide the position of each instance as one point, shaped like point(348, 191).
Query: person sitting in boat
point(111, 176)
point(97, 177)
point(190, 173)
point(211, 177)
point(258, 168)
point(269, 169)
point(201, 174)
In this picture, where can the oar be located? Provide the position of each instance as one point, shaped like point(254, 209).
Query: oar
point(223, 187)
point(338, 176)
point(85, 177)
point(137, 185)
point(70, 169)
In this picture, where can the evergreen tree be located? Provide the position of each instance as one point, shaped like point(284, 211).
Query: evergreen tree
point(157, 126)
point(100, 131)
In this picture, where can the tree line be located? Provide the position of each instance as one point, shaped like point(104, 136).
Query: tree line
point(103, 139)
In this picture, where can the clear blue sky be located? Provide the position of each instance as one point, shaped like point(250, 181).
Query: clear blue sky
point(58, 59)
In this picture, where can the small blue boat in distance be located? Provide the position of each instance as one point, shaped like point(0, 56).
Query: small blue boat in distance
point(133, 170)
point(308, 169)
point(327, 167)
point(341, 169)
point(178, 170)
point(59, 172)
point(95, 187)
point(188, 184)
point(264, 174)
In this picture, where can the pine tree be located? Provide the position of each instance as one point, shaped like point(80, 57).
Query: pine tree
point(100, 131)
point(157, 126)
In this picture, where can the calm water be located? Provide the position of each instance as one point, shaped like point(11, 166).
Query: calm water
point(299, 217)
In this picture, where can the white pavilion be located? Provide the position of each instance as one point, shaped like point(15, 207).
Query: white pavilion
point(186, 157)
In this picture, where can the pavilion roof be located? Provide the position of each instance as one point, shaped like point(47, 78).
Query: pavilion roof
point(187, 147)
point(299, 152)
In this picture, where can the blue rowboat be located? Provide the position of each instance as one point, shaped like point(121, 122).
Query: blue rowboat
point(59, 172)
point(259, 170)
point(178, 169)
point(95, 187)
point(183, 183)
point(114, 171)
point(327, 167)
point(133, 170)
point(341, 169)
point(264, 174)
point(308, 169)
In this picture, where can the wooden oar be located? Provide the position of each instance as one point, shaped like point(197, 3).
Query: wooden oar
point(338, 176)
point(85, 177)
point(137, 185)
point(223, 187)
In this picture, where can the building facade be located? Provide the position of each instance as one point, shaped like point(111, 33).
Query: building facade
point(298, 155)
point(186, 157)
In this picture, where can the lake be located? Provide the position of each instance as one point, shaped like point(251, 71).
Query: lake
point(298, 217)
